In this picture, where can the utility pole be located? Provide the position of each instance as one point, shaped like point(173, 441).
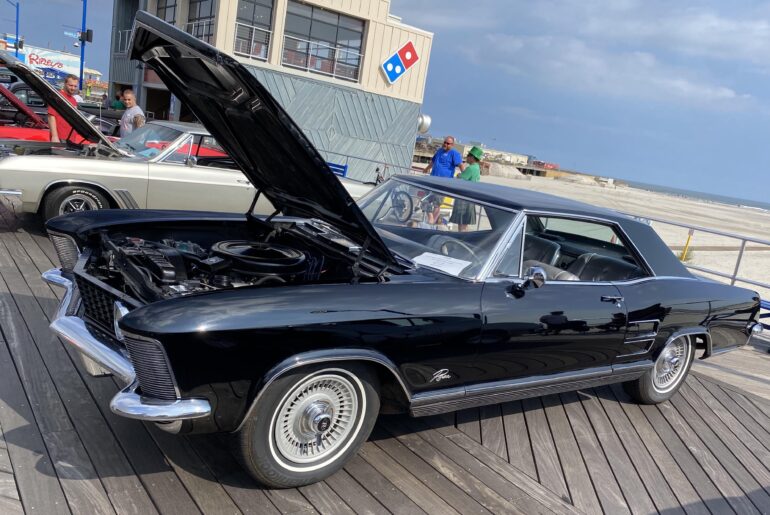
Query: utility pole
point(16, 5)
point(83, 38)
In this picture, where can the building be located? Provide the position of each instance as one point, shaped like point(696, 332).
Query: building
point(324, 60)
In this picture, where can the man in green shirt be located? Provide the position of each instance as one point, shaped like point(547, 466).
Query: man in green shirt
point(464, 212)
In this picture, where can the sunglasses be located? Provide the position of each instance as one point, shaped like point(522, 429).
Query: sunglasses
point(448, 143)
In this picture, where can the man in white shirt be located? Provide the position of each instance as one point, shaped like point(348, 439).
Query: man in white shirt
point(133, 118)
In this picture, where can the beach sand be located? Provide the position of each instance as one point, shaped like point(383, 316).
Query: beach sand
point(706, 250)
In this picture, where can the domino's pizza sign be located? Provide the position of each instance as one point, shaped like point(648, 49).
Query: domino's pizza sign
point(398, 63)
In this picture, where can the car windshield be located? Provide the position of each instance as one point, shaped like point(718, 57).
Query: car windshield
point(433, 229)
point(149, 140)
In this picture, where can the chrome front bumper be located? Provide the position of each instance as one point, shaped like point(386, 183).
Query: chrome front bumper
point(127, 402)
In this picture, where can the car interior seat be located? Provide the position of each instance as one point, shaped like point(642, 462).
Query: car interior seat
point(595, 267)
point(540, 249)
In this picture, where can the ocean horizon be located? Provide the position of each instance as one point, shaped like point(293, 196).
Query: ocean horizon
point(699, 195)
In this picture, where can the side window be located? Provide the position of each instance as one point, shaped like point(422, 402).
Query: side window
point(181, 153)
point(22, 95)
point(509, 264)
point(570, 249)
point(34, 100)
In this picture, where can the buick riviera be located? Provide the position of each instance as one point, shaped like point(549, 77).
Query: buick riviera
point(294, 331)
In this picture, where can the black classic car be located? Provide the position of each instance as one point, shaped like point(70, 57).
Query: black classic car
point(295, 330)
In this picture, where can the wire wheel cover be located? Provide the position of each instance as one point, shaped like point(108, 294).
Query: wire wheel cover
point(671, 364)
point(316, 418)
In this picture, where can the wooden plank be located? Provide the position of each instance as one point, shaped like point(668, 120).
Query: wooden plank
point(648, 472)
point(109, 462)
point(498, 483)
point(606, 486)
point(469, 423)
point(678, 482)
point(492, 432)
point(674, 432)
point(737, 461)
point(517, 439)
point(428, 475)
point(354, 495)
point(381, 489)
point(10, 506)
point(247, 494)
point(549, 470)
point(453, 471)
point(579, 482)
point(36, 480)
point(634, 489)
point(748, 406)
point(8, 488)
point(404, 480)
point(207, 493)
point(534, 489)
point(733, 408)
point(324, 499)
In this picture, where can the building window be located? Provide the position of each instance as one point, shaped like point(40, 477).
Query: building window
point(252, 28)
point(322, 41)
point(200, 19)
point(167, 10)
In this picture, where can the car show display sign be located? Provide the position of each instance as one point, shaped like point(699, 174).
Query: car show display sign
point(397, 64)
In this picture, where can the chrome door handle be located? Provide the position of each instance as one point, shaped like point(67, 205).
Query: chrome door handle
point(612, 298)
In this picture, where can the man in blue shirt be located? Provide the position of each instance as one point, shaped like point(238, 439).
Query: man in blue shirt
point(445, 160)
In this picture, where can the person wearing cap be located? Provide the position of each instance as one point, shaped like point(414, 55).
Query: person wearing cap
point(464, 212)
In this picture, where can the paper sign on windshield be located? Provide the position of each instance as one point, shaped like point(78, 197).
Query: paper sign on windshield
point(441, 262)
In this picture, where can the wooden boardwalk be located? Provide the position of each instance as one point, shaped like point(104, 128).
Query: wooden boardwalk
point(62, 451)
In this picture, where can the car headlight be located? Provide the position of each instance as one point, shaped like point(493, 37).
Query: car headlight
point(66, 249)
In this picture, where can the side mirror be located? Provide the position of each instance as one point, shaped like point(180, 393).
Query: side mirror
point(535, 277)
point(191, 161)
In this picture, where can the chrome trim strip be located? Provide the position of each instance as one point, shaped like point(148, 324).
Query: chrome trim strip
point(324, 356)
point(634, 366)
point(700, 330)
point(74, 331)
point(127, 403)
point(445, 394)
point(16, 193)
point(531, 382)
point(127, 198)
point(500, 249)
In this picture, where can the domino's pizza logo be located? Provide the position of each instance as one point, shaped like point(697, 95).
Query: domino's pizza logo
point(398, 63)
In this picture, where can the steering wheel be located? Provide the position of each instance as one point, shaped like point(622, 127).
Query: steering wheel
point(402, 205)
point(448, 243)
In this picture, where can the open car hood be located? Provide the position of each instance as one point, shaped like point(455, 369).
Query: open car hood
point(54, 99)
point(22, 108)
point(257, 133)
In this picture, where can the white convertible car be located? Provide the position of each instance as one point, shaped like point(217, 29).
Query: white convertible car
point(162, 165)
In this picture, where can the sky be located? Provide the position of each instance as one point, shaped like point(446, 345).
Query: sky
point(669, 93)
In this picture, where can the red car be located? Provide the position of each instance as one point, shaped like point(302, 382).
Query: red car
point(18, 121)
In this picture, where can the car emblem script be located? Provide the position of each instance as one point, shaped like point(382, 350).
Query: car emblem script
point(440, 375)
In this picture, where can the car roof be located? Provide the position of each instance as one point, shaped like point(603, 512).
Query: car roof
point(194, 128)
point(512, 198)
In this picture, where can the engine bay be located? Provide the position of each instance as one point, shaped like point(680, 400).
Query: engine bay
point(150, 270)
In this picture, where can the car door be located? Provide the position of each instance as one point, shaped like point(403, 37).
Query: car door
point(194, 176)
point(566, 326)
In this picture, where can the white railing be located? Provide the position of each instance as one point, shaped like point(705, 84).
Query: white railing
point(201, 29)
point(121, 39)
point(321, 58)
point(251, 41)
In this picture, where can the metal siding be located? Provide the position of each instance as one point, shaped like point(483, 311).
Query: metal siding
point(347, 121)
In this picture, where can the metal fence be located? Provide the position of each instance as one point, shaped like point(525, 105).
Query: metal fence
point(201, 29)
point(363, 169)
point(121, 39)
point(321, 58)
point(251, 41)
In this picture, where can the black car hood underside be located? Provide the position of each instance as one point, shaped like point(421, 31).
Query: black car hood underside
point(257, 133)
point(54, 99)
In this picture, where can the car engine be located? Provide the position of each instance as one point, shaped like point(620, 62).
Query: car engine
point(156, 270)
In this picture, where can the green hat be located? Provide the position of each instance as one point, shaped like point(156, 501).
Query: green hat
point(476, 152)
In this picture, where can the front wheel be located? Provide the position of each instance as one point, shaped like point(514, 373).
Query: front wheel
point(308, 424)
point(73, 199)
point(662, 381)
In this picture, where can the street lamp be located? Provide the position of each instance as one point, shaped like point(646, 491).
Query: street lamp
point(82, 45)
point(16, 4)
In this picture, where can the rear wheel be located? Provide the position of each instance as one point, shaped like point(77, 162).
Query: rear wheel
point(662, 381)
point(308, 424)
point(73, 199)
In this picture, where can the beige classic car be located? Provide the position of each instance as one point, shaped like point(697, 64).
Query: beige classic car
point(161, 165)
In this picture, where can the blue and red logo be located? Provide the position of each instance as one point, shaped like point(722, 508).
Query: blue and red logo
point(398, 63)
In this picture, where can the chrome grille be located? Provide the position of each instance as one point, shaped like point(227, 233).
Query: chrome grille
point(65, 249)
point(151, 368)
point(98, 303)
